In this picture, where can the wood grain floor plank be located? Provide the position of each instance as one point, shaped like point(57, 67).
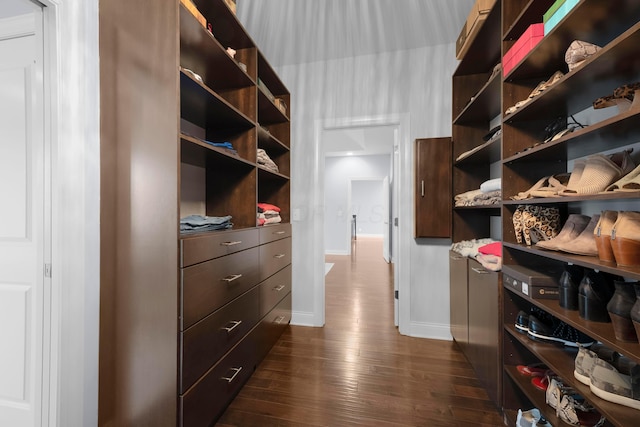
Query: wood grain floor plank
point(358, 370)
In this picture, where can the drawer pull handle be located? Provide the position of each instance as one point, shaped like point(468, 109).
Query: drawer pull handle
point(422, 187)
point(278, 320)
point(278, 288)
point(236, 371)
point(455, 258)
point(237, 242)
point(231, 278)
point(480, 270)
point(278, 232)
point(234, 324)
point(279, 256)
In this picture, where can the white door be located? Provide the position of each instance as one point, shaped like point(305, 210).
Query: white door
point(386, 253)
point(22, 219)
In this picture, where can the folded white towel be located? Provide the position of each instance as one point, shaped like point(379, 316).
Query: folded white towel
point(491, 185)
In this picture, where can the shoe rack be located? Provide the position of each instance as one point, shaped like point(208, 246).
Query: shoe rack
point(615, 27)
point(476, 102)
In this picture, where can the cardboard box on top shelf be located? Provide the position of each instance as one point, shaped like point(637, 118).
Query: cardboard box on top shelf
point(480, 10)
point(471, 35)
point(462, 38)
point(232, 5)
point(188, 4)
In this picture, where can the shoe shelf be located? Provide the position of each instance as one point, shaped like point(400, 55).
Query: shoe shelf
point(585, 261)
point(590, 21)
point(617, 131)
point(521, 14)
point(484, 106)
point(488, 152)
point(519, 349)
point(615, 27)
point(578, 89)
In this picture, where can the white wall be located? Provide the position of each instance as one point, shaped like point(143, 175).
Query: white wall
point(338, 172)
point(416, 82)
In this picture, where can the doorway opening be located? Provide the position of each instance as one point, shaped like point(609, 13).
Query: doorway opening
point(360, 192)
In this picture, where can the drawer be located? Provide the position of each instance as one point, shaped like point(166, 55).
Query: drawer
point(272, 325)
point(210, 285)
point(205, 342)
point(197, 249)
point(274, 257)
point(269, 233)
point(203, 403)
point(274, 289)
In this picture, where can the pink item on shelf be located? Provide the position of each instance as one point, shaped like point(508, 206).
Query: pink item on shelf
point(494, 248)
point(529, 39)
point(268, 207)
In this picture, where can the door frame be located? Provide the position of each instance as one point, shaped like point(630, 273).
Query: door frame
point(402, 178)
point(72, 135)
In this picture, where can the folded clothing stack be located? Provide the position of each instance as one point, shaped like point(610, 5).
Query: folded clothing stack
point(227, 146)
point(265, 160)
point(268, 214)
point(201, 223)
point(489, 193)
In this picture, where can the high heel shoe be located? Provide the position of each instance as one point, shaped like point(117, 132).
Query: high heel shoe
point(619, 308)
point(536, 223)
point(575, 225)
point(602, 235)
point(625, 239)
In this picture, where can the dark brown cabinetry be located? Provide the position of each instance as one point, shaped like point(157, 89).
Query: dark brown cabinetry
point(525, 159)
point(185, 318)
point(433, 188)
point(475, 291)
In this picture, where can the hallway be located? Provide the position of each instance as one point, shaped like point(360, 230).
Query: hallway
point(358, 370)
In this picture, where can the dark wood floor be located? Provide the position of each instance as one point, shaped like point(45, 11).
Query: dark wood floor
point(358, 370)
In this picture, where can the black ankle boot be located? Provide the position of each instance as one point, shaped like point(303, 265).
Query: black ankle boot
point(568, 286)
point(619, 308)
point(594, 292)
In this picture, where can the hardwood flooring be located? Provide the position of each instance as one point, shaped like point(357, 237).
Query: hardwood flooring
point(358, 370)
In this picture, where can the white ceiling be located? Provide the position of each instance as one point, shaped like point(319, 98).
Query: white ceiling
point(300, 31)
point(292, 32)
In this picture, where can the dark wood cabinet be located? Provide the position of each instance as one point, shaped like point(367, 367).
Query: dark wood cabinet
point(186, 317)
point(432, 187)
point(459, 296)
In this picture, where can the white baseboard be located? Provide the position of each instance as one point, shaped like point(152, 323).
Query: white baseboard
point(299, 318)
point(431, 331)
point(331, 252)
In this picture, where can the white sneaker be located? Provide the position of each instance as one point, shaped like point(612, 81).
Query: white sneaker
point(531, 418)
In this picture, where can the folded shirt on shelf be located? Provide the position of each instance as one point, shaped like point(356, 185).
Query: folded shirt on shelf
point(201, 223)
point(265, 160)
point(478, 198)
point(268, 214)
point(469, 248)
point(227, 146)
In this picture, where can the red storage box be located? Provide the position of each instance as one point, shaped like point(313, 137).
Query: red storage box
point(522, 47)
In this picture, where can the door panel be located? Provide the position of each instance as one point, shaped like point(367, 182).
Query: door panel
point(22, 220)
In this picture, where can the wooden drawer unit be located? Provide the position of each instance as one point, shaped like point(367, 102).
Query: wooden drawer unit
point(205, 342)
point(197, 249)
point(274, 289)
point(274, 257)
point(207, 286)
point(205, 401)
point(269, 233)
point(272, 325)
